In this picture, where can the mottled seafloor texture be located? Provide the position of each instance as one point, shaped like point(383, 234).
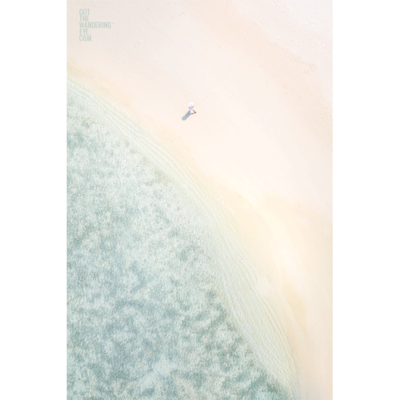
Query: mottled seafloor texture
point(144, 317)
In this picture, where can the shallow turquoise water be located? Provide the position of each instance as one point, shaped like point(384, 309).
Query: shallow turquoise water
point(144, 316)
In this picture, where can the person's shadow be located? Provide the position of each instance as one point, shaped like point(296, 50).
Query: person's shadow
point(186, 116)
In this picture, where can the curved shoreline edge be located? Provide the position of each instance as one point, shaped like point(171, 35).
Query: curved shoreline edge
point(258, 320)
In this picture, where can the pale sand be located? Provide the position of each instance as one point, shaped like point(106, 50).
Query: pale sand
point(261, 138)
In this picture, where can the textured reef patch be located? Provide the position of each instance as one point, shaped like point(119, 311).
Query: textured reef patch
point(144, 317)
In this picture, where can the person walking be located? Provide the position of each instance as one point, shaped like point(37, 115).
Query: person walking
point(191, 108)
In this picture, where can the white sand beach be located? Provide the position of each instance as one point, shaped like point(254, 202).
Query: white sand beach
point(259, 74)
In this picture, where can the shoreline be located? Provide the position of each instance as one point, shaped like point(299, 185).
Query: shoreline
point(263, 152)
point(237, 273)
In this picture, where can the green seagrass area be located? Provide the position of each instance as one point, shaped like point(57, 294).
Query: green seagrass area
point(144, 318)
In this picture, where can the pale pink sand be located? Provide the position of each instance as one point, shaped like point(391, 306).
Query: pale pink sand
point(259, 74)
